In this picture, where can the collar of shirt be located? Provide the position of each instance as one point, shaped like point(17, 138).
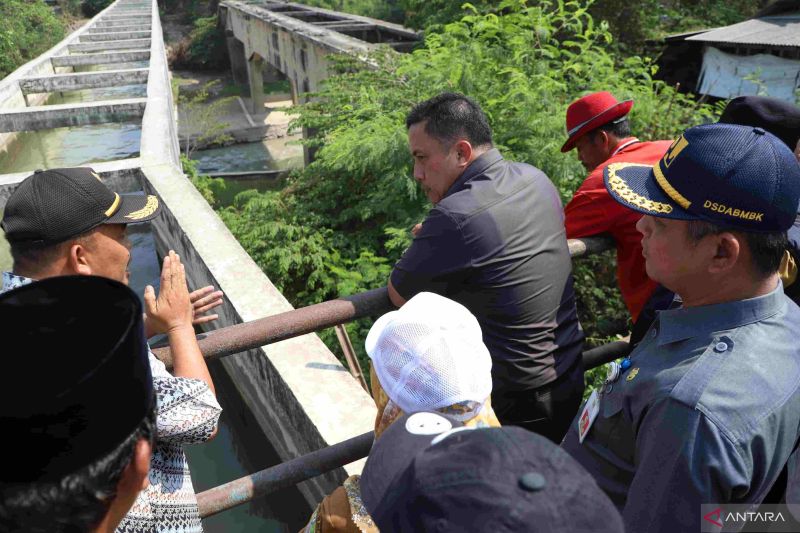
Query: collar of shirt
point(12, 281)
point(686, 322)
point(476, 168)
point(624, 144)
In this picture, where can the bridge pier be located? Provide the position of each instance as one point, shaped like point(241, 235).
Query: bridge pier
point(256, 77)
point(238, 60)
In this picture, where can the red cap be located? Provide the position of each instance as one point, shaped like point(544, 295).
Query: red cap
point(590, 112)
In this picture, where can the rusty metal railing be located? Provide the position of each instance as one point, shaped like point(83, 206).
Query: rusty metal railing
point(241, 337)
point(248, 335)
point(284, 475)
point(313, 464)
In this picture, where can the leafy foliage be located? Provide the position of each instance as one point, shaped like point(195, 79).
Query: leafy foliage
point(341, 223)
point(27, 29)
point(200, 118)
point(206, 49)
point(380, 9)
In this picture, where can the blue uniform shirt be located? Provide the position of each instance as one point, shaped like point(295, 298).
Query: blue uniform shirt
point(708, 412)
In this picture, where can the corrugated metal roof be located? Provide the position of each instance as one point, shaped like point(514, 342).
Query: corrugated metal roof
point(781, 30)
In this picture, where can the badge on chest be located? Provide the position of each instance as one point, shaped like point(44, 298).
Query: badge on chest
point(588, 415)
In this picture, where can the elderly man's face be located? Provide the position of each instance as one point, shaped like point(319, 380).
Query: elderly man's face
point(109, 252)
point(671, 257)
point(436, 167)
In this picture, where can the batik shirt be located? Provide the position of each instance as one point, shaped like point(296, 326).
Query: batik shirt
point(187, 413)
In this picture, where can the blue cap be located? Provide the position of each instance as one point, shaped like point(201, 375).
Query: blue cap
point(739, 177)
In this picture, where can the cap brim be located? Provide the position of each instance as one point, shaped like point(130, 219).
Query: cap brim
point(612, 113)
point(135, 208)
point(634, 186)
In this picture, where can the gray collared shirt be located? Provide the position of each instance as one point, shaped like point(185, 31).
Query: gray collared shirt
point(496, 244)
point(708, 412)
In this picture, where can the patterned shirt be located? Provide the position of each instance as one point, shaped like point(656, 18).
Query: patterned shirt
point(187, 413)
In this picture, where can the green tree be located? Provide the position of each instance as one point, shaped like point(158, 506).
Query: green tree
point(199, 117)
point(27, 29)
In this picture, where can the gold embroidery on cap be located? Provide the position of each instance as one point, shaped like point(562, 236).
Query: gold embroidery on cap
point(114, 205)
point(674, 149)
point(669, 189)
point(146, 211)
point(96, 175)
point(628, 195)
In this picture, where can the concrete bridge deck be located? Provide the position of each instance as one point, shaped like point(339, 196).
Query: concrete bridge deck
point(301, 396)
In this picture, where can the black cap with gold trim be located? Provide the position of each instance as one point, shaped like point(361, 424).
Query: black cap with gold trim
point(735, 176)
point(53, 205)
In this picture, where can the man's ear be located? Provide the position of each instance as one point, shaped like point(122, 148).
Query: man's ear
point(78, 260)
point(727, 254)
point(463, 151)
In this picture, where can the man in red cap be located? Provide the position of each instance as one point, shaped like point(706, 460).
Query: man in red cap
point(597, 126)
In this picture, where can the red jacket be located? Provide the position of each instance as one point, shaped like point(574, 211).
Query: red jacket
point(592, 211)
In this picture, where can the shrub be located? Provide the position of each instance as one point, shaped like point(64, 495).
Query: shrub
point(27, 29)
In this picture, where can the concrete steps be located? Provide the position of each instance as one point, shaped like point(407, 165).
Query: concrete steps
point(129, 44)
point(100, 59)
point(59, 116)
point(83, 80)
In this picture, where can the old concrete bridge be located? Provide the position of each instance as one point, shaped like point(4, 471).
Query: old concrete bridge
point(301, 396)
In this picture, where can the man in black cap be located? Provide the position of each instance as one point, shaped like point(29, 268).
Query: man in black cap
point(781, 119)
point(80, 434)
point(704, 413)
point(66, 222)
point(429, 473)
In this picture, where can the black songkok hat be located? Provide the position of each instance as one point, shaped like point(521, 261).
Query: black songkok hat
point(77, 376)
point(780, 118)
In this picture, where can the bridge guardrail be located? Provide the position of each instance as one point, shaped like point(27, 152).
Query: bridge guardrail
point(240, 337)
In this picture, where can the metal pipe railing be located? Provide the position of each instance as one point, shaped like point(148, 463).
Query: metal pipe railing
point(284, 475)
point(275, 328)
point(248, 335)
point(307, 466)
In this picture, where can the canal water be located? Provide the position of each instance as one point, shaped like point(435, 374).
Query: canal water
point(240, 448)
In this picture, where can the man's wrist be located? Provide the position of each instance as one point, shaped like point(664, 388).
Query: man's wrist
point(181, 329)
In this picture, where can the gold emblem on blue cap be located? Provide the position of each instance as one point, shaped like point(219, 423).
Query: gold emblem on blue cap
point(149, 208)
point(674, 149)
point(672, 153)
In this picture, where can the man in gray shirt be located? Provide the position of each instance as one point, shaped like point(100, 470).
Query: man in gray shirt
point(495, 242)
point(705, 412)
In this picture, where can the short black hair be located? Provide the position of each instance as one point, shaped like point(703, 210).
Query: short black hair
point(77, 502)
point(34, 258)
point(767, 249)
point(619, 128)
point(450, 116)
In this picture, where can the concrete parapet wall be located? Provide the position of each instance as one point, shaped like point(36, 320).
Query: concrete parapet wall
point(298, 391)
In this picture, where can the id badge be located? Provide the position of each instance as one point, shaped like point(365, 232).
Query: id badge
point(588, 415)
